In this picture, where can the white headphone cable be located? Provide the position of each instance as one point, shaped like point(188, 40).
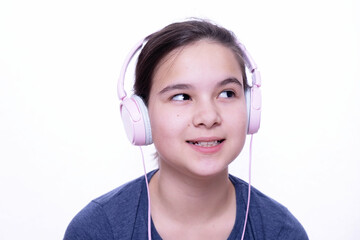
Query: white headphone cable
point(148, 194)
point(249, 189)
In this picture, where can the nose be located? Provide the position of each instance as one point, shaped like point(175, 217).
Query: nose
point(206, 114)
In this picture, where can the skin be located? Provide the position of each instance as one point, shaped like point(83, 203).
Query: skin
point(198, 118)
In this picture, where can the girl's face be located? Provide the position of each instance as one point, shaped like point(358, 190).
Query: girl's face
point(197, 109)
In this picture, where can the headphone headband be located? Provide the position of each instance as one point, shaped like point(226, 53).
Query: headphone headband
point(120, 87)
point(250, 65)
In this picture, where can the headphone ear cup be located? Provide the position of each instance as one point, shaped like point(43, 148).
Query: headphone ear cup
point(253, 105)
point(136, 120)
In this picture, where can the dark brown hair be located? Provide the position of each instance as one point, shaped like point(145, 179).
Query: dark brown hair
point(173, 36)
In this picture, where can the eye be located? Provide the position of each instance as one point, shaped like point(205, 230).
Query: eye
point(181, 97)
point(227, 94)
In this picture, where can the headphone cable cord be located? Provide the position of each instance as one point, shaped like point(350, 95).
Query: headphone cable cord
point(249, 189)
point(148, 194)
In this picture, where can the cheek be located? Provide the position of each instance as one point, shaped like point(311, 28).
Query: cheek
point(237, 125)
point(238, 131)
point(168, 134)
point(237, 115)
point(166, 124)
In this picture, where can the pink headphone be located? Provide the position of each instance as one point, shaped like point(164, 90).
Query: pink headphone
point(135, 115)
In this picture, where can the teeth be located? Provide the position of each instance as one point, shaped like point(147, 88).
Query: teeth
point(207, 144)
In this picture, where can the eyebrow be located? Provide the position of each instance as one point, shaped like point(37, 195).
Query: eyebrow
point(228, 81)
point(183, 86)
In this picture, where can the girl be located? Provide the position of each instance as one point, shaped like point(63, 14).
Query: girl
point(191, 83)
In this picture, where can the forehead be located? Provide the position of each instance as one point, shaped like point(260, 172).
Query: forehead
point(203, 60)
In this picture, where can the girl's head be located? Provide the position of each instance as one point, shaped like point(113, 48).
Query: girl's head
point(191, 76)
point(175, 36)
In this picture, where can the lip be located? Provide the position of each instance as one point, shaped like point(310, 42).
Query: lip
point(206, 149)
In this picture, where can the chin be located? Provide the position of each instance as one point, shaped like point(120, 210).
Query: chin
point(208, 170)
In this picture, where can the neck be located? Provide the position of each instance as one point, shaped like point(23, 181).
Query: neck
point(190, 199)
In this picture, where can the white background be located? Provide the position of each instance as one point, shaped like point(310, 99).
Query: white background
point(61, 138)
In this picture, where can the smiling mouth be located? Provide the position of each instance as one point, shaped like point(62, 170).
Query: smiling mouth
point(206, 144)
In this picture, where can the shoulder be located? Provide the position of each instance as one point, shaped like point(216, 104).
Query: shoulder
point(268, 219)
point(109, 215)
